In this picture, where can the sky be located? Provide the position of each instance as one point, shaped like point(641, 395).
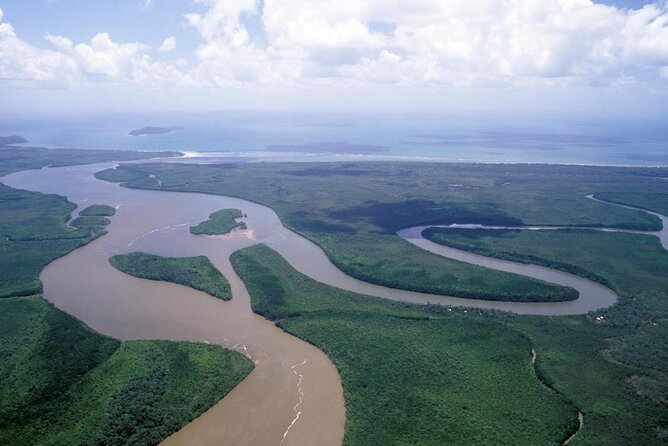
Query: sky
point(542, 56)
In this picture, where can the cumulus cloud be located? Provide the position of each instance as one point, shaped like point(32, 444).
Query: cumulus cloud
point(102, 56)
point(489, 42)
point(168, 45)
point(222, 20)
point(21, 62)
point(494, 43)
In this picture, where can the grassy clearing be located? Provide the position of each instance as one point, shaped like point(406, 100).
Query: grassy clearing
point(220, 222)
point(65, 384)
point(412, 375)
point(195, 272)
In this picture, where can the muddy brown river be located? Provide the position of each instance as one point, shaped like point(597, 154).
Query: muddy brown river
point(294, 395)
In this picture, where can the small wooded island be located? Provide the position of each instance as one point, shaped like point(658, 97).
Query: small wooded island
point(220, 222)
point(12, 139)
point(152, 130)
point(195, 272)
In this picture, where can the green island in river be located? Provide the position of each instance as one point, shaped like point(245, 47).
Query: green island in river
point(220, 222)
point(194, 272)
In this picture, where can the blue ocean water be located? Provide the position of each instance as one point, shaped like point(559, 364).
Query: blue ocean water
point(294, 135)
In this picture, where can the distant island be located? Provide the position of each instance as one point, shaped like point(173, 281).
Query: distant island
point(153, 130)
point(12, 139)
point(326, 147)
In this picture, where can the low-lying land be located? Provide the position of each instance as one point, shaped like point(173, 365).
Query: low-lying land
point(611, 359)
point(13, 159)
point(652, 201)
point(353, 211)
point(34, 233)
point(610, 364)
point(607, 258)
point(65, 384)
point(194, 272)
point(412, 374)
point(98, 210)
point(94, 218)
point(220, 222)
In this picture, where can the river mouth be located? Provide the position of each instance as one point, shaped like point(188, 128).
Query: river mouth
point(291, 376)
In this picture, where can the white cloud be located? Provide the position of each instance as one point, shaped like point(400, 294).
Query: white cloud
point(491, 43)
point(222, 20)
point(104, 57)
point(21, 62)
point(60, 42)
point(168, 45)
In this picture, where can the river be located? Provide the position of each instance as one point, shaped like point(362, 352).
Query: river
point(294, 395)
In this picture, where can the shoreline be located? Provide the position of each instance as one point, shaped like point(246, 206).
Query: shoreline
point(316, 157)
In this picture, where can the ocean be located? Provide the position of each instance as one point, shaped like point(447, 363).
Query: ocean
point(302, 135)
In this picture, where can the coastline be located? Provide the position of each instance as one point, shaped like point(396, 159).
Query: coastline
point(264, 156)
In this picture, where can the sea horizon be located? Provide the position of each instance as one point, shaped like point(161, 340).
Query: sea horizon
point(309, 136)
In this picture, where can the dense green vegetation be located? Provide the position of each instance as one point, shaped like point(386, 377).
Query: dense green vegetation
point(413, 374)
point(354, 210)
point(220, 222)
point(611, 365)
point(94, 218)
point(419, 270)
point(13, 159)
point(33, 231)
point(94, 223)
point(98, 210)
point(65, 384)
point(617, 358)
point(653, 201)
point(612, 259)
point(195, 272)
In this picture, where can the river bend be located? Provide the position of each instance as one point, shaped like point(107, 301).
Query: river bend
point(289, 373)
